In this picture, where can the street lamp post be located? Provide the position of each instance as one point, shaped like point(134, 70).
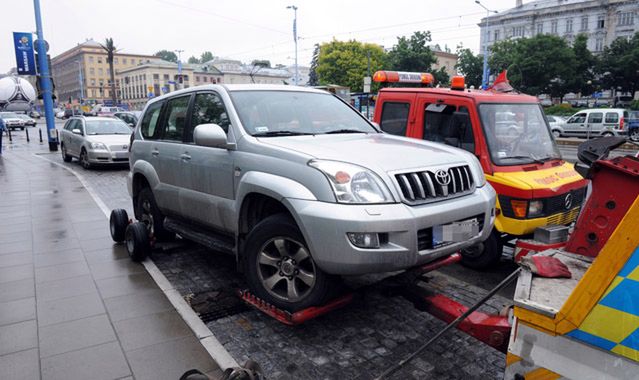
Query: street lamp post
point(81, 81)
point(179, 85)
point(45, 80)
point(294, 8)
point(486, 72)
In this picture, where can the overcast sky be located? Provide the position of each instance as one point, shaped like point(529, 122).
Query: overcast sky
point(241, 29)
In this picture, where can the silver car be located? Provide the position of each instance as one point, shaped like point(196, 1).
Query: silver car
point(300, 187)
point(95, 140)
point(12, 120)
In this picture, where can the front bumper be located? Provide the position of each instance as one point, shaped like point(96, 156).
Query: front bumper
point(325, 226)
point(107, 157)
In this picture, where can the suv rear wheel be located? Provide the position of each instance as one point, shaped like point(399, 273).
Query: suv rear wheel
point(147, 212)
point(280, 269)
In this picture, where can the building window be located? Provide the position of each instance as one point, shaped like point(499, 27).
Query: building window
point(100, 71)
point(626, 18)
point(92, 82)
point(496, 35)
point(156, 76)
point(540, 28)
point(140, 61)
point(584, 23)
point(601, 22)
point(197, 78)
point(91, 70)
point(90, 59)
point(569, 25)
point(518, 31)
point(166, 76)
point(99, 59)
point(553, 27)
point(115, 61)
point(124, 61)
point(599, 44)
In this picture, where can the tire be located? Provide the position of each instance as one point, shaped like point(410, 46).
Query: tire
point(147, 212)
point(22, 128)
point(118, 223)
point(136, 238)
point(556, 133)
point(84, 159)
point(634, 135)
point(65, 156)
point(271, 269)
point(483, 255)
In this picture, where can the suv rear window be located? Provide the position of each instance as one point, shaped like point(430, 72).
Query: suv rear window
point(394, 118)
point(150, 121)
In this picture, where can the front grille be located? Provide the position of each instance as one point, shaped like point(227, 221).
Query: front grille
point(552, 205)
point(119, 148)
point(425, 235)
point(564, 218)
point(431, 185)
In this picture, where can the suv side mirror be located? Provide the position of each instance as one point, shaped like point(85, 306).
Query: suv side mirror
point(211, 135)
point(76, 131)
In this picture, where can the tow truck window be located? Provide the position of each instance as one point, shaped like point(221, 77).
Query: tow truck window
point(444, 123)
point(395, 118)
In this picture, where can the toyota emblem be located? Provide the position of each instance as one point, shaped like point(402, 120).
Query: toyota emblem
point(442, 177)
point(125, 147)
point(568, 201)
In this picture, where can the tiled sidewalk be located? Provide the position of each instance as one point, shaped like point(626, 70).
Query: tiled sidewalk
point(72, 305)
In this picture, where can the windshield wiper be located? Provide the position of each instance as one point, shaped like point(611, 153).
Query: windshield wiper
point(534, 159)
point(344, 131)
point(281, 133)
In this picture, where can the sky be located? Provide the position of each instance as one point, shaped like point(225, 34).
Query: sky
point(241, 29)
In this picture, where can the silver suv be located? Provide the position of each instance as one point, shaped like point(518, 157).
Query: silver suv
point(300, 188)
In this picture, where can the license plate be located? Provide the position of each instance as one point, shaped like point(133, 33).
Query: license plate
point(121, 155)
point(454, 232)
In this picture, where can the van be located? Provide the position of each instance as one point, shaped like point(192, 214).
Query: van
point(596, 122)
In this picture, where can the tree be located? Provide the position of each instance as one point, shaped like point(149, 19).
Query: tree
point(441, 77)
point(110, 49)
point(585, 64)
point(261, 63)
point(412, 54)
point(345, 63)
point(193, 60)
point(206, 57)
point(166, 55)
point(471, 66)
point(543, 64)
point(313, 78)
point(620, 64)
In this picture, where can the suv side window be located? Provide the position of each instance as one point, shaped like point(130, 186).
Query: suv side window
point(175, 118)
point(612, 117)
point(208, 108)
point(595, 117)
point(148, 127)
point(394, 118)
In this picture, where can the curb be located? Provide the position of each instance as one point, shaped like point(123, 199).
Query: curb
point(210, 343)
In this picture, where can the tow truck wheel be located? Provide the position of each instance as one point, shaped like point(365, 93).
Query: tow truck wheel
point(136, 237)
point(280, 269)
point(483, 255)
point(118, 222)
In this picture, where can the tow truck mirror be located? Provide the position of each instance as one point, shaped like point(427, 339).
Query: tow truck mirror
point(210, 135)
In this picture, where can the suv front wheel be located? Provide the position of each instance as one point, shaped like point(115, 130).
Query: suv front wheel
point(280, 268)
point(147, 212)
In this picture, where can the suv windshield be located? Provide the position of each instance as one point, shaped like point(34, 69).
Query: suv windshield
point(107, 127)
point(289, 113)
point(517, 133)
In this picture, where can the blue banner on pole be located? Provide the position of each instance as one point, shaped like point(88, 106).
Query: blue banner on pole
point(25, 59)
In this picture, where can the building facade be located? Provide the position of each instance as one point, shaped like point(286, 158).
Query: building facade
point(83, 72)
point(602, 21)
point(445, 60)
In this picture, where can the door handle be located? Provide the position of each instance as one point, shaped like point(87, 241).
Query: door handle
point(185, 157)
point(155, 152)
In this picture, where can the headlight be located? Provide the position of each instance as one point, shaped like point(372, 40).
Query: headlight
point(352, 183)
point(478, 172)
point(535, 208)
point(97, 145)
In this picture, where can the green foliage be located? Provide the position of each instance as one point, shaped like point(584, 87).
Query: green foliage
point(543, 64)
point(206, 56)
point(412, 54)
point(585, 64)
point(167, 55)
point(441, 77)
point(620, 64)
point(313, 78)
point(193, 60)
point(345, 63)
point(110, 49)
point(634, 105)
point(470, 66)
point(561, 110)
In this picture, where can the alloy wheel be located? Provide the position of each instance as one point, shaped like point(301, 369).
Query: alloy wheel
point(147, 215)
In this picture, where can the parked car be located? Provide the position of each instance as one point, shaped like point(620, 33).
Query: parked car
point(34, 114)
point(107, 111)
point(300, 187)
point(127, 117)
point(12, 120)
point(594, 122)
point(28, 121)
point(95, 140)
point(556, 124)
point(633, 125)
point(69, 112)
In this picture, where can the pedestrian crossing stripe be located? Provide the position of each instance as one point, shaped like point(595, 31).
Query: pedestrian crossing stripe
point(613, 323)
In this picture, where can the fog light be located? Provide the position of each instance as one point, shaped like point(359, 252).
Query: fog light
point(364, 239)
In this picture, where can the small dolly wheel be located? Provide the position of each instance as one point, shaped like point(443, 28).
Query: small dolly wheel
point(137, 241)
point(118, 222)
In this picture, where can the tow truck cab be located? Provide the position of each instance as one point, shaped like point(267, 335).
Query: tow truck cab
point(510, 136)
